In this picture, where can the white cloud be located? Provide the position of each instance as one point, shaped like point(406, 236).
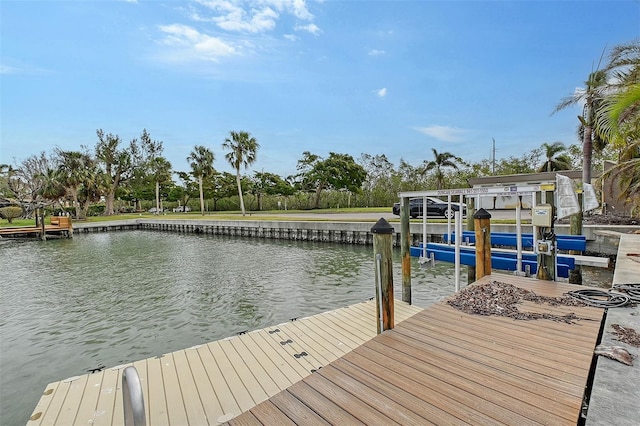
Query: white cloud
point(382, 92)
point(312, 28)
point(189, 44)
point(376, 52)
point(443, 133)
point(291, 37)
point(254, 16)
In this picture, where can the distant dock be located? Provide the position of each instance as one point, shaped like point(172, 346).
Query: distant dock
point(60, 226)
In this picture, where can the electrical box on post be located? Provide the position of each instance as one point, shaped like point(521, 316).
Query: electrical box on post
point(541, 215)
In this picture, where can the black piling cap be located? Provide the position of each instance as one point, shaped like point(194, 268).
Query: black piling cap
point(482, 214)
point(382, 227)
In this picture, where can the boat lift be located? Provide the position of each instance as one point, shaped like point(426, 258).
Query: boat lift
point(565, 200)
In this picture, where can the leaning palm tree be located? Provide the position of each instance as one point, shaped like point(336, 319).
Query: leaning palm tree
point(242, 152)
point(553, 161)
point(201, 161)
point(592, 96)
point(441, 160)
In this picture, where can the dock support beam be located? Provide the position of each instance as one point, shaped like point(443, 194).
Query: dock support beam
point(382, 242)
point(405, 244)
point(482, 220)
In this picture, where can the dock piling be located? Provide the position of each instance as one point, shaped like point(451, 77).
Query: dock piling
point(382, 243)
point(482, 226)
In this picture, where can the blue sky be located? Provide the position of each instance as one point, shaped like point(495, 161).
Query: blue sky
point(382, 77)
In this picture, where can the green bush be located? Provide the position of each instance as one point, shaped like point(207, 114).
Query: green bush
point(96, 210)
point(10, 213)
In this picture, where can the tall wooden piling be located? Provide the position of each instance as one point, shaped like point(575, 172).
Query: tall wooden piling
point(382, 251)
point(405, 245)
point(471, 211)
point(482, 219)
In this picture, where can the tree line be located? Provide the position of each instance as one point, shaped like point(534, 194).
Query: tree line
point(136, 173)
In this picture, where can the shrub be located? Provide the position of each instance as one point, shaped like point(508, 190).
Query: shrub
point(10, 213)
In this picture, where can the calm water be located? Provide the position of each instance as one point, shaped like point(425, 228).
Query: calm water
point(110, 298)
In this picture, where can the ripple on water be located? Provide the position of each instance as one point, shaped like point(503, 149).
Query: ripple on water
point(120, 297)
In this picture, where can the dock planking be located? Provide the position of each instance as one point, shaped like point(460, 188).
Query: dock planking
point(210, 383)
point(445, 366)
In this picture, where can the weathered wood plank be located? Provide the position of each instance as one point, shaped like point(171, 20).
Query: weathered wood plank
point(295, 410)
point(444, 366)
point(323, 406)
point(269, 414)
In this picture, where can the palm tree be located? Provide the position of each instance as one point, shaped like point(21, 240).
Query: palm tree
point(441, 160)
point(592, 96)
point(161, 172)
point(74, 173)
point(619, 118)
point(242, 152)
point(52, 188)
point(622, 106)
point(554, 163)
point(201, 161)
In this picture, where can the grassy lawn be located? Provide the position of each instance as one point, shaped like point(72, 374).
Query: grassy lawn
point(236, 215)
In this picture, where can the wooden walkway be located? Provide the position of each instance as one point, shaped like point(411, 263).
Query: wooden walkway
point(212, 383)
point(443, 366)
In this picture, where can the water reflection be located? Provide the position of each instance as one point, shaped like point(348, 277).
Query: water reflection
point(109, 298)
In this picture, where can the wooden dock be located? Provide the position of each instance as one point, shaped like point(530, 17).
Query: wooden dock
point(211, 383)
point(442, 366)
point(59, 226)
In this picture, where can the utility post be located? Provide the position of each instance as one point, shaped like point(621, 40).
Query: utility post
point(545, 244)
point(382, 242)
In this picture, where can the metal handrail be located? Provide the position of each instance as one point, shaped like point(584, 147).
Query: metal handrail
point(132, 399)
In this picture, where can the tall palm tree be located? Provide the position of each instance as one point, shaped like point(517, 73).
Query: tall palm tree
point(161, 172)
point(555, 162)
point(592, 96)
point(440, 161)
point(201, 161)
point(242, 152)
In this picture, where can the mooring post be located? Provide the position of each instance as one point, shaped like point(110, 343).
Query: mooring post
point(382, 242)
point(471, 211)
point(482, 219)
point(44, 235)
point(405, 245)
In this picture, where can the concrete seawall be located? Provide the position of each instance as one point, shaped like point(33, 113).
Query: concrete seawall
point(322, 231)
